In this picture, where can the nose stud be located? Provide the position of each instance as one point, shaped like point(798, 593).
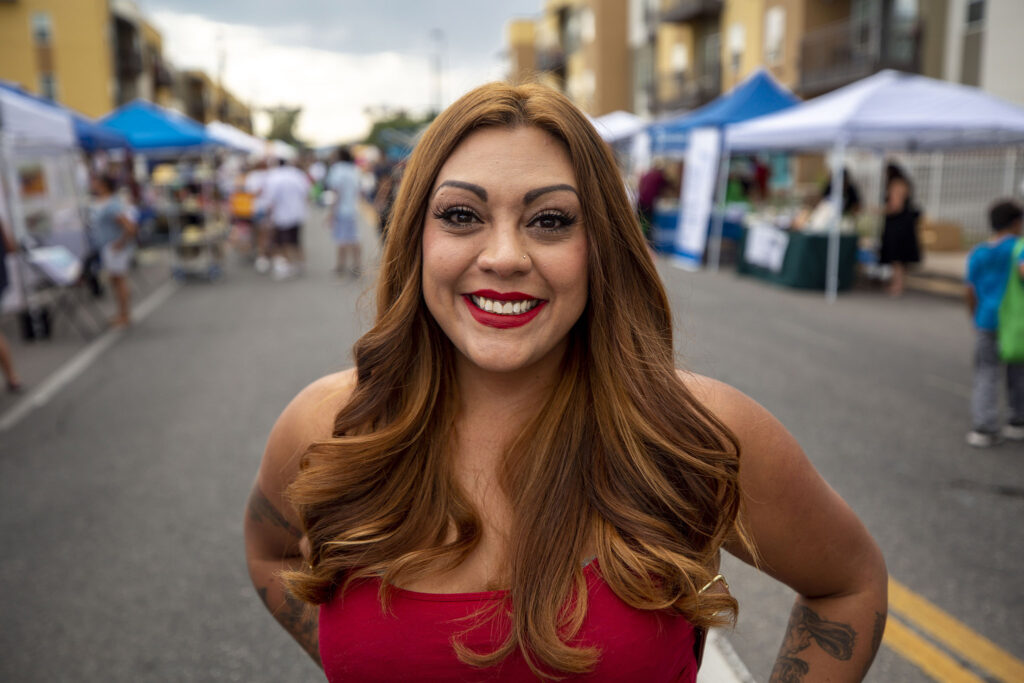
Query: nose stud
point(524, 257)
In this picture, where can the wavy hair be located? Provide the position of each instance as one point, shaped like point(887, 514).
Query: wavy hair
point(620, 455)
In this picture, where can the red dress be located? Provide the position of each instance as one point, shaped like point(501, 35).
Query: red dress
point(358, 642)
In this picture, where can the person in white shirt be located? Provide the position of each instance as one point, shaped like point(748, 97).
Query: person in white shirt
point(343, 179)
point(286, 195)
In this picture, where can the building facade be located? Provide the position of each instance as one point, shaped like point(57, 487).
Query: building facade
point(681, 54)
point(61, 51)
point(95, 55)
point(580, 47)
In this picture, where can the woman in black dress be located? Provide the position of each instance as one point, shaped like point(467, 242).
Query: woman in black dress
point(899, 236)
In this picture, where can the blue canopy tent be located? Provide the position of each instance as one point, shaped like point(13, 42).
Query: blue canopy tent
point(154, 130)
point(93, 136)
point(758, 95)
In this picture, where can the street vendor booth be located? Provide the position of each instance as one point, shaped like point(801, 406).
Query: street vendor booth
point(697, 137)
point(889, 111)
point(179, 154)
point(40, 202)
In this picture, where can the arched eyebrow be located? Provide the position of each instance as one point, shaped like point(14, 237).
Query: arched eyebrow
point(475, 189)
point(533, 194)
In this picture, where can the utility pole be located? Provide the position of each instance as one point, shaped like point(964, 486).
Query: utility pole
point(437, 36)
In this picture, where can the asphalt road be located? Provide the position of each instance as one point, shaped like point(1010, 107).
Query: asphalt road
point(123, 496)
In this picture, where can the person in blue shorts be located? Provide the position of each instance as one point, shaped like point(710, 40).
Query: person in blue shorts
point(988, 269)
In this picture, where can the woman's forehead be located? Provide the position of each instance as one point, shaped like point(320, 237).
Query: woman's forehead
point(508, 155)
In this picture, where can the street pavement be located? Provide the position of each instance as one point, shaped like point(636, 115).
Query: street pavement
point(124, 491)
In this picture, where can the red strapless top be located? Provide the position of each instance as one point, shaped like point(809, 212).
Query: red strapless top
point(359, 642)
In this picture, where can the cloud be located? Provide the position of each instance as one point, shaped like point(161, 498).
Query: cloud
point(333, 88)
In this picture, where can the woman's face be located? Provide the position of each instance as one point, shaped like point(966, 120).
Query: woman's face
point(504, 249)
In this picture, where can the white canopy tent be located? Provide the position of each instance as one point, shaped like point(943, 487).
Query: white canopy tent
point(39, 193)
point(236, 139)
point(618, 125)
point(889, 111)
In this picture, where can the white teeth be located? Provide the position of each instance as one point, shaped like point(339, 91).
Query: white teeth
point(504, 307)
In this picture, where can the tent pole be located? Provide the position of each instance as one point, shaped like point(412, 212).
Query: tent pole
point(838, 181)
point(718, 218)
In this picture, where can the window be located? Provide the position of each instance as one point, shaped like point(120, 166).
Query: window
point(42, 28)
point(587, 27)
point(680, 58)
point(975, 13)
point(48, 86)
point(774, 32)
point(737, 39)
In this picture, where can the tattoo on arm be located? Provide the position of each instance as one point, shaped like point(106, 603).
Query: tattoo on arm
point(807, 626)
point(261, 510)
point(877, 631)
point(299, 619)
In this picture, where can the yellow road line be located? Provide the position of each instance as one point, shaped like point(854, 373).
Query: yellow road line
point(928, 658)
point(953, 634)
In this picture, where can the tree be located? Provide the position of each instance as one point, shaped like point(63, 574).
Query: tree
point(282, 124)
point(394, 121)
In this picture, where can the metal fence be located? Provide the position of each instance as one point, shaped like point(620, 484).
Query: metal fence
point(955, 187)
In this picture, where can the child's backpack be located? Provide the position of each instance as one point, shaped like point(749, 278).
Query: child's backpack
point(1011, 312)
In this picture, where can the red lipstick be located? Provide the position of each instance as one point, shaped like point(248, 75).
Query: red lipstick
point(501, 322)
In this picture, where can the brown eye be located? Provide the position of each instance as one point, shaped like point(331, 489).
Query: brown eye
point(457, 216)
point(552, 221)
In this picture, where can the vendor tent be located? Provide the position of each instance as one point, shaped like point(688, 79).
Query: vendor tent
point(887, 111)
point(618, 125)
point(89, 134)
point(236, 139)
point(92, 135)
point(153, 129)
point(757, 96)
point(28, 121)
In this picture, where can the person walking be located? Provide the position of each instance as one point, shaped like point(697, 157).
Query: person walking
point(113, 233)
point(7, 244)
point(343, 179)
point(900, 245)
point(989, 267)
point(286, 198)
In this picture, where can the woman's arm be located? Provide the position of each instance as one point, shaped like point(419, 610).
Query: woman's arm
point(808, 538)
point(272, 527)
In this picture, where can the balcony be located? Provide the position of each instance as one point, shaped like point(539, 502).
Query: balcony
point(844, 52)
point(550, 59)
point(679, 11)
point(684, 91)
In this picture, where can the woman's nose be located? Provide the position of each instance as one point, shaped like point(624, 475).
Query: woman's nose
point(505, 252)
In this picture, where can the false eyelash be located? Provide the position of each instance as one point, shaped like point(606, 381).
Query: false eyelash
point(566, 217)
point(441, 212)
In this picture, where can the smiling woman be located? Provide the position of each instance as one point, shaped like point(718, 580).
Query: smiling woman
point(515, 481)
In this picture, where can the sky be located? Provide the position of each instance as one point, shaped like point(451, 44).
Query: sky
point(336, 58)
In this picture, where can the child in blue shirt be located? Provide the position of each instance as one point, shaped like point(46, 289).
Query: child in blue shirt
point(988, 268)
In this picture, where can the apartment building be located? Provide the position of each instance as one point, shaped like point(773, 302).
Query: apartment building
point(94, 55)
point(813, 47)
point(982, 46)
point(580, 48)
point(62, 51)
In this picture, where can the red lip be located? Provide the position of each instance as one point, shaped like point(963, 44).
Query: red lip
point(501, 322)
point(502, 296)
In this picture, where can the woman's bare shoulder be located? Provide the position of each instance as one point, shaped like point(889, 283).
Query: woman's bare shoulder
point(308, 418)
point(744, 416)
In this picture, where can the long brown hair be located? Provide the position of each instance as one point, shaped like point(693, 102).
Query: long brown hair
point(621, 454)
